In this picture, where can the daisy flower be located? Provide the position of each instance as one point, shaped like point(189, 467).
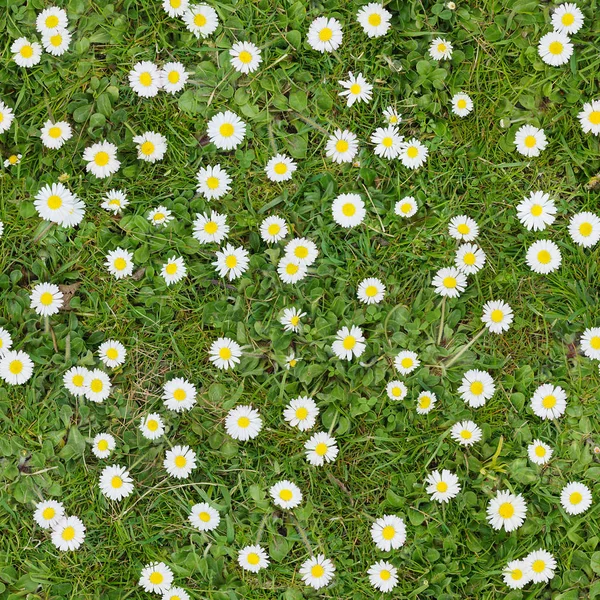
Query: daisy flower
point(321, 448)
point(463, 228)
point(555, 48)
point(179, 394)
point(119, 263)
point(348, 210)
point(68, 533)
point(145, 79)
point(213, 182)
point(589, 117)
point(243, 423)
point(156, 578)
point(516, 575)
point(115, 482)
point(204, 517)
point(443, 486)
point(291, 270)
point(387, 141)
point(291, 319)
point(152, 426)
point(286, 494)
point(317, 571)
point(5, 341)
point(342, 146)
point(280, 168)
point(151, 146)
point(476, 387)
point(406, 362)
point(469, 258)
point(543, 257)
point(506, 510)
point(449, 282)
point(413, 154)
point(175, 8)
point(201, 20)
point(370, 291)
point(54, 135)
point(226, 130)
point(325, 35)
point(303, 250)
point(160, 216)
point(567, 18)
point(497, 316)
point(291, 361)
point(54, 202)
point(466, 433)
point(173, 77)
point(25, 53)
point(349, 343)
point(50, 19)
point(575, 498)
point(374, 19)
point(48, 513)
point(174, 270)
point(180, 461)
point(175, 593)
point(231, 262)
point(273, 229)
point(115, 201)
point(96, 386)
point(396, 390)
point(101, 159)
point(6, 117)
point(541, 564)
point(103, 444)
point(388, 533)
point(356, 89)
point(74, 380)
point(383, 576)
point(224, 353)
point(590, 343)
point(462, 104)
point(301, 412)
point(15, 367)
point(539, 453)
point(253, 558)
point(211, 228)
point(245, 57)
point(425, 402)
point(46, 299)
point(536, 212)
point(112, 353)
point(584, 229)
point(406, 207)
point(11, 161)
point(530, 140)
point(74, 214)
point(391, 116)
point(56, 42)
point(440, 49)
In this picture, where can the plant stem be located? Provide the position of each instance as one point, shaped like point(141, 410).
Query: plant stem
point(441, 331)
point(464, 349)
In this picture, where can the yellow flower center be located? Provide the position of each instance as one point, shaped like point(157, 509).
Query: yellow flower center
point(575, 498)
point(540, 451)
point(555, 48)
point(595, 342)
point(536, 210)
point(103, 445)
point(26, 51)
point(56, 40)
point(51, 21)
point(594, 117)
point(204, 516)
point(15, 367)
point(285, 495)
point(152, 424)
point(120, 263)
point(54, 202)
point(253, 558)
point(171, 269)
point(179, 395)
point(199, 20)
point(46, 298)
point(147, 148)
point(175, 3)
point(476, 388)
point(530, 141)
point(348, 209)
point(387, 142)
point(396, 391)
point(449, 282)
point(158, 216)
point(211, 228)
point(424, 402)
point(384, 574)
point(342, 146)
point(349, 342)
point(146, 79)
point(243, 422)
point(13, 159)
point(301, 413)
point(156, 578)
point(68, 533)
point(516, 574)
point(116, 482)
point(462, 103)
point(96, 385)
point(317, 571)
point(77, 380)
point(212, 183)
point(225, 353)
point(293, 363)
point(101, 158)
point(544, 257)
point(301, 252)
point(180, 461)
point(173, 76)
point(273, 229)
point(549, 401)
point(585, 229)
point(355, 89)
point(48, 513)
point(371, 291)
point(412, 152)
point(388, 532)
point(54, 132)
point(245, 57)
point(442, 486)
point(465, 434)
point(231, 261)
point(295, 320)
point(226, 130)
point(441, 48)
point(280, 168)
point(469, 258)
point(407, 362)
point(321, 449)
point(406, 207)
point(325, 34)
point(112, 353)
point(506, 510)
point(538, 565)
point(567, 19)
point(374, 19)
point(291, 269)
point(463, 229)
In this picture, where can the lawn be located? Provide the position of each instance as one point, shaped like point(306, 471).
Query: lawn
point(290, 105)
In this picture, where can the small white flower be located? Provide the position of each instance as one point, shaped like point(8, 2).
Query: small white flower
point(57, 41)
point(356, 89)
point(253, 558)
point(425, 402)
point(280, 168)
point(11, 161)
point(406, 207)
point(590, 343)
point(391, 116)
point(349, 343)
point(103, 444)
point(115, 201)
point(301, 412)
point(74, 380)
point(539, 452)
point(15, 367)
point(396, 390)
point(6, 118)
point(68, 533)
point(119, 263)
point(321, 448)
point(541, 565)
point(48, 513)
point(530, 140)
point(243, 423)
point(370, 291)
point(413, 154)
point(211, 228)
point(584, 229)
point(291, 270)
point(174, 270)
point(466, 433)
point(589, 117)
point(388, 533)
point(567, 18)
point(449, 282)
point(245, 57)
point(173, 77)
point(476, 387)
point(374, 19)
point(536, 212)
point(152, 426)
point(440, 49)
point(54, 135)
point(497, 316)
point(151, 146)
point(175, 593)
point(160, 216)
point(156, 578)
point(462, 104)
point(348, 210)
point(231, 262)
point(213, 182)
point(112, 353)
point(543, 257)
point(115, 482)
point(442, 487)
point(145, 79)
point(46, 299)
point(224, 353)
point(291, 319)
point(286, 494)
point(201, 19)
point(50, 19)
point(506, 510)
point(406, 362)
point(25, 53)
point(575, 498)
point(325, 35)
point(463, 228)
point(97, 386)
point(179, 394)
point(317, 572)
point(175, 8)
point(469, 258)
point(101, 159)
point(204, 517)
point(273, 229)
point(387, 141)
point(342, 146)
point(180, 461)
point(549, 401)
point(226, 130)
point(303, 250)
point(555, 48)
point(383, 576)
point(516, 574)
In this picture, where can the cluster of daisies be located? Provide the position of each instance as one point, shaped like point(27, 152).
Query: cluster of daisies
point(555, 48)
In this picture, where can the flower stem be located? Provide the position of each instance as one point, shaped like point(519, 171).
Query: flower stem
point(464, 349)
point(441, 331)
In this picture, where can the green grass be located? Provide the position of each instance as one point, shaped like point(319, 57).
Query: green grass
point(386, 449)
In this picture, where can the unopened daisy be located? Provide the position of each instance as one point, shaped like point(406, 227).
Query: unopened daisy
point(516, 574)
point(46, 299)
point(243, 423)
point(303, 250)
point(440, 49)
point(204, 517)
point(175, 8)
point(273, 229)
point(413, 154)
point(497, 316)
point(112, 353)
point(469, 258)
point(286, 494)
point(462, 104)
point(321, 448)
point(291, 319)
point(536, 212)
point(160, 216)
point(584, 229)
point(589, 117)
point(201, 20)
point(291, 360)
point(15, 367)
point(291, 270)
point(442, 487)
point(115, 482)
point(225, 353)
point(54, 135)
point(156, 578)
point(245, 57)
point(280, 168)
point(68, 533)
point(590, 343)
point(173, 77)
point(301, 412)
point(387, 141)
point(348, 210)
point(391, 116)
point(541, 564)
point(175, 593)
point(145, 79)
point(119, 263)
point(539, 453)
point(463, 228)
point(466, 433)
point(555, 48)
point(374, 19)
point(101, 159)
point(567, 18)
point(5, 341)
point(406, 362)
point(97, 386)
point(476, 387)
point(25, 53)
point(530, 140)
point(253, 558)
point(56, 42)
point(151, 146)
point(50, 19)
point(543, 257)
point(575, 498)
point(317, 572)
point(6, 117)
point(115, 201)
point(213, 182)
point(449, 282)
point(226, 130)
point(210, 228)
point(180, 461)
point(425, 402)
point(388, 533)
point(152, 426)
point(370, 291)
point(74, 380)
point(48, 513)
point(342, 146)
point(54, 202)
point(174, 270)
point(506, 511)
point(356, 89)
point(103, 444)
point(325, 35)
point(396, 390)
point(231, 262)
point(406, 207)
point(13, 159)
point(383, 576)
point(349, 343)
point(179, 394)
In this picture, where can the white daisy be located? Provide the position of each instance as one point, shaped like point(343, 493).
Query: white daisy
point(15, 367)
point(516, 575)
point(54, 202)
point(317, 572)
point(536, 212)
point(413, 154)
point(56, 42)
point(342, 146)
point(388, 533)
point(253, 558)
point(280, 168)
point(590, 342)
point(54, 135)
point(555, 48)
point(539, 453)
point(160, 216)
point(25, 53)
point(291, 319)
point(68, 533)
point(179, 394)
point(575, 498)
point(321, 448)
point(391, 116)
point(119, 263)
point(231, 262)
point(224, 353)
point(156, 578)
point(406, 361)
point(387, 141)
point(245, 57)
point(425, 402)
point(530, 140)
point(406, 207)
point(11, 161)
point(46, 299)
point(370, 291)
point(374, 19)
point(115, 482)
point(541, 564)
point(103, 444)
point(449, 282)
point(273, 229)
point(356, 89)
point(291, 270)
point(349, 343)
point(173, 77)
point(175, 593)
point(243, 423)
point(466, 433)
point(348, 210)
point(497, 316)
point(506, 510)
point(48, 513)
point(101, 159)
point(151, 146)
point(51, 18)
point(549, 401)
point(325, 35)
point(175, 8)
point(286, 494)
point(543, 257)
point(201, 20)
point(97, 386)
point(463, 228)
point(211, 228)
point(462, 104)
point(174, 270)
point(469, 258)
point(5, 341)
point(152, 426)
point(301, 412)
point(383, 576)
point(443, 486)
point(396, 390)
point(74, 214)
point(303, 250)
point(584, 229)
point(145, 79)
point(112, 353)
point(291, 360)
point(74, 380)
point(213, 182)
point(204, 517)
point(567, 18)
point(180, 461)
point(226, 130)
point(6, 117)
point(476, 387)
point(115, 201)
point(589, 117)
point(440, 49)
